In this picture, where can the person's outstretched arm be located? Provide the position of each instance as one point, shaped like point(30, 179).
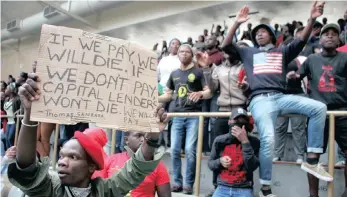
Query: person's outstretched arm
point(26, 146)
point(241, 17)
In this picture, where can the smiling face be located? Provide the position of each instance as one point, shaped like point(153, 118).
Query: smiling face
point(74, 165)
point(330, 39)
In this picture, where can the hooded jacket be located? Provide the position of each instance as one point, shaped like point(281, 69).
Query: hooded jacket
point(225, 78)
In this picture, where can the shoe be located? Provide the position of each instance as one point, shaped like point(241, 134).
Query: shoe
point(317, 171)
point(176, 188)
point(210, 194)
point(276, 159)
point(188, 190)
point(299, 161)
point(269, 195)
point(340, 163)
point(168, 150)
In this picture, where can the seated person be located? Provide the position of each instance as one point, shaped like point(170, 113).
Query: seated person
point(234, 157)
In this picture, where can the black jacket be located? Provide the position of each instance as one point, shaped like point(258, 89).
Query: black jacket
point(244, 160)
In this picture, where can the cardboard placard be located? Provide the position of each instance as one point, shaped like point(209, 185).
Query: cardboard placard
point(87, 77)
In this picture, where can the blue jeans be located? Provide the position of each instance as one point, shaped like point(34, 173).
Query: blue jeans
point(266, 108)
point(224, 191)
point(10, 134)
point(181, 127)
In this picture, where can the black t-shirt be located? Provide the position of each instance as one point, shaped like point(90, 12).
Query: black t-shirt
point(184, 82)
point(328, 78)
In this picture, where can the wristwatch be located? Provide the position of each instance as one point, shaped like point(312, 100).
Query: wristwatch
point(152, 143)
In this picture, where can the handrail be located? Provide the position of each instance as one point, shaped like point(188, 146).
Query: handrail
point(202, 115)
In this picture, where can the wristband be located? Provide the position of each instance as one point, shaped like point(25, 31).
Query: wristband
point(27, 125)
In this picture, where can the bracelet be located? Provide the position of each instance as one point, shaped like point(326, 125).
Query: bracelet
point(27, 125)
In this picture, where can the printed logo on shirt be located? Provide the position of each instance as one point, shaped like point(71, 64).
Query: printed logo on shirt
point(191, 77)
point(234, 173)
point(176, 78)
point(182, 90)
point(327, 80)
point(267, 63)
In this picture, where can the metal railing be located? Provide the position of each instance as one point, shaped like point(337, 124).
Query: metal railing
point(201, 116)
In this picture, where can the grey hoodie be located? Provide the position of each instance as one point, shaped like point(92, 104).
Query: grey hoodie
point(225, 77)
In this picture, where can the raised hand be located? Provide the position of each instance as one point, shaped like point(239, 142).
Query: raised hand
point(202, 59)
point(242, 16)
point(317, 9)
point(29, 91)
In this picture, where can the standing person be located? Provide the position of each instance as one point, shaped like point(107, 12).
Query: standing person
point(165, 67)
point(277, 32)
point(11, 106)
point(234, 156)
point(325, 21)
point(287, 36)
point(216, 57)
point(327, 74)
point(223, 78)
point(206, 34)
point(247, 34)
point(298, 123)
point(265, 70)
point(79, 158)
point(189, 83)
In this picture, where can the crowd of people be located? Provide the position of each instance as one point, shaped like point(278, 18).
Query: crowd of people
point(289, 69)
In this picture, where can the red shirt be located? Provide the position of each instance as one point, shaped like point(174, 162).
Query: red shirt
point(147, 188)
point(216, 56)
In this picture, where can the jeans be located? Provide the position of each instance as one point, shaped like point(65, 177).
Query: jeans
point(298, 125)
point(206, 108)
point(265, 109)
point(213, 108)
point(225, 191)
point(181, 127)
point(340, 155)
point(10, 134)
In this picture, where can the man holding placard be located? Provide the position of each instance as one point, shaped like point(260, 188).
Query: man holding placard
point(79, 158)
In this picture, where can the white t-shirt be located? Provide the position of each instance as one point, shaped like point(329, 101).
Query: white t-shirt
point(8, 107)
point(165, 67)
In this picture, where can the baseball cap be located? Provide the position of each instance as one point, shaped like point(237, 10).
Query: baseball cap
point(330, 26)
point(237, 112)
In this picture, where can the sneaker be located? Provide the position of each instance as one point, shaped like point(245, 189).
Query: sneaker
point(188, 190)
point(317, 171)
point(176, 188)
point(299, 161)
point(276, 159)
point(340, 163)
point(269, 195)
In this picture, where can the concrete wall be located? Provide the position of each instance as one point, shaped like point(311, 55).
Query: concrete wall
point(150, 22)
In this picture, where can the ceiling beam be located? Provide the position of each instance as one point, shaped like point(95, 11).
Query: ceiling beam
point(74, 16)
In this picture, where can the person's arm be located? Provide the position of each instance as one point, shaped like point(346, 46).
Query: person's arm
point(212, 29)
point(213, 161)
point(211, 78)
point(27, 174)
point(301, 73)
point(250, 156)
point(167, 96)
point(162, 181)
point(292, 51)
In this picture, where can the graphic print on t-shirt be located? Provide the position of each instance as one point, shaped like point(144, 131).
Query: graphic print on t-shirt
point(233, 174)
point(267, 63)
point(327, 80)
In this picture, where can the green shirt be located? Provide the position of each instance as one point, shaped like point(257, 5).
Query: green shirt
point(37, 180)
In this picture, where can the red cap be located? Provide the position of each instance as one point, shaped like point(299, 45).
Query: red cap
point(93, 148)
point(98, 135)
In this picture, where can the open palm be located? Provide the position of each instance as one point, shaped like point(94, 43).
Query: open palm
point(317, 9)
point(242, 16)
point(202, 59)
